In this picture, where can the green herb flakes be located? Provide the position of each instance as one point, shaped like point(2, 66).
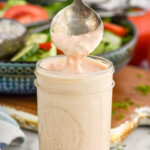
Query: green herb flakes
point(123, 104)
point(131, 103)
point(127, 99)
point(113, 112)
point(138, 105)
point(139, 75)
point(121, 147)
point(119, 117)
point(143, 89)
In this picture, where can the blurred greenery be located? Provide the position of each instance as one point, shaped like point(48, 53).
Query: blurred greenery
point(57, 6)
point(109, 42)
point(15, 2)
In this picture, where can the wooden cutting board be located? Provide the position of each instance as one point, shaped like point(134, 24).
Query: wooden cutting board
point(130, 107)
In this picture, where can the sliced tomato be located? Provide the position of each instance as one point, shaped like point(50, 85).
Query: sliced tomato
point(2, 4)
point(137, 9)
point(45, 46)
point(59, 51)
point(26, 13)
point(116, 29)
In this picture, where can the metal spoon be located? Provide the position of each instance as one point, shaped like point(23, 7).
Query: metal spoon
point(76, 19)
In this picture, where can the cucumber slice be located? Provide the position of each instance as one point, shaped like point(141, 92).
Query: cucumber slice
point(26, 52)
point(51, 52)
point(112, 38)
point(111, 47)
point(99, 49)
point(2, 12)
point(37, 38)
point(109, 43)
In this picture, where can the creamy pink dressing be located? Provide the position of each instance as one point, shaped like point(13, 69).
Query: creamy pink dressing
point(70, 65)
point(77, 48)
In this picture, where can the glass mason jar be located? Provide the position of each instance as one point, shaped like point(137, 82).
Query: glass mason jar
point(74, 110)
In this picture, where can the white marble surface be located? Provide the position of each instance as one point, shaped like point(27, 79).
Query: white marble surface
point(138, 140)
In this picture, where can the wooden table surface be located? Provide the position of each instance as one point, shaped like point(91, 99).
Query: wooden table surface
point(126, 80)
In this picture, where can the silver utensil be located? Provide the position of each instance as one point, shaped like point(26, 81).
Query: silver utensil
point(76, 19)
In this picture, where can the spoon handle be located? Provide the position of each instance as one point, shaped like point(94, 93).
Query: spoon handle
point(78, 1)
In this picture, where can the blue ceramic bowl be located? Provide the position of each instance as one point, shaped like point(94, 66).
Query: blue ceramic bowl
point(18, 78)
point(120, 57)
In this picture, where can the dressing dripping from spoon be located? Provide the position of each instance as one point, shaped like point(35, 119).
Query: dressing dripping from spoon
point(76, 30)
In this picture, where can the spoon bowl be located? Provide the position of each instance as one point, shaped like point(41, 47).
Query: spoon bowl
point(76, 19)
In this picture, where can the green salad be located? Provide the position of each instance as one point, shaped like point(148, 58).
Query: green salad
point(39, 45)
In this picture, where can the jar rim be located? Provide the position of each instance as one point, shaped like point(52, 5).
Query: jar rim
point(110, 68)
